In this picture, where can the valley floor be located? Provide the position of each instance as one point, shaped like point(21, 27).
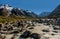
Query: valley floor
point(38, 28)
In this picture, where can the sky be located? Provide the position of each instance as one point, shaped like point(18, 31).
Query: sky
point(36, 6)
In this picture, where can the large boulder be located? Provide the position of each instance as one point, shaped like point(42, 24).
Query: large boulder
point(35, 36)
point(26, 34)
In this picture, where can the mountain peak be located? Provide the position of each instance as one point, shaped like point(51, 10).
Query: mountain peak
point(6, 6)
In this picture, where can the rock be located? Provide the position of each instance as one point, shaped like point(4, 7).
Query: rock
point(26, 34)
point(15, 32)
point(31, 28)
point(10, 28)
point(45, 30)
point(55, 28)
point(35, 36)
point(52, 34)
point(55, 31)
point(0, 25)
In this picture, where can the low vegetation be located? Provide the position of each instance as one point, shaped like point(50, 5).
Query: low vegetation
point(4, 19)
point(13, 18)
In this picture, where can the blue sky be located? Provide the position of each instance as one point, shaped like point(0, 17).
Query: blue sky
point(37, 6)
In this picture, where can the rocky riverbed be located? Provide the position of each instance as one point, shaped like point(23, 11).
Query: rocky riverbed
point(29, 30)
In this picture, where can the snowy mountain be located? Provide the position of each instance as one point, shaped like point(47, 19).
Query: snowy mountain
point(6, 6)
point(8, 10)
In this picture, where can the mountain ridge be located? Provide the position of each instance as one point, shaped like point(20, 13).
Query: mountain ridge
point(16, 11)
point(55, 13)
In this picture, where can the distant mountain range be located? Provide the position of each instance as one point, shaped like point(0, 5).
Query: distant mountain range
point(54, 14)
point(6, 10)
point(44, 14)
